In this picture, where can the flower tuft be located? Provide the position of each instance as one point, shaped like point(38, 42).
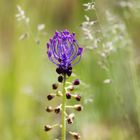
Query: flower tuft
point(64, 51)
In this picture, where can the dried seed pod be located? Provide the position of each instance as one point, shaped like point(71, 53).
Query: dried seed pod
point(75, 135)
point(49, 109)
point(76, 82)
point(70, 118)
point(54, 86)
point(78, 107)
point(50, 96)
point(47, 128)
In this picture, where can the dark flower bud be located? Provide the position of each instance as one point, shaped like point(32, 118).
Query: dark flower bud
point(70, 68)
point(76, 82)
point(70, 118)
point(47, 128)
point(50, 96)
point(49, 109)
point(60, 79)
point(78, 107)
point(59, 59)
point(69, 73)
point(75, 135)
point(78, 97)
point(57, 110)
point(59, 70)
point(68, 95)
point(54, 86)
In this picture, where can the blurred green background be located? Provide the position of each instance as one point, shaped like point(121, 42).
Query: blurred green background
point(111, 81)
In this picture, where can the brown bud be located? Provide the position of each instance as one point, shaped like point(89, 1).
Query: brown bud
point(49, 109)
point(75, 135)
point(57, 110)
point(54, 86)
point(78, 97)
point(70, 118)
point(71, 88)
point(47, 128)
point(50, 96)
point(76, 82)
point(78, 107)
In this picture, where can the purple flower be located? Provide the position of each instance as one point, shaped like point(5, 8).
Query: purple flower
point(64, 51)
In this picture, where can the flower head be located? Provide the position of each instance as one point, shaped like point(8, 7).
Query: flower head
point(64, 51)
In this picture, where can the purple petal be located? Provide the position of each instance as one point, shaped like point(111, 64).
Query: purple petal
point(49, 53)
point(59, 50)
point(66, 32)
point(77, 61)
point(75, 46)
point(70, 51)
point(48, 45)
point(52, 49)
point(80, 50)
point(50, 56)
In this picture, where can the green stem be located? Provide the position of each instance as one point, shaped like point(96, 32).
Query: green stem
point(63, 110)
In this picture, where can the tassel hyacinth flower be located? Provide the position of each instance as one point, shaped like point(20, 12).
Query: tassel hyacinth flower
point(64, 51)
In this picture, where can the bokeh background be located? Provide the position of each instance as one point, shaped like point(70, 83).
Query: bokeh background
point(109, 69)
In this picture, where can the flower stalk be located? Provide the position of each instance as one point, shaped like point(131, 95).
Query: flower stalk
point(64, 110)
point(64, 51)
